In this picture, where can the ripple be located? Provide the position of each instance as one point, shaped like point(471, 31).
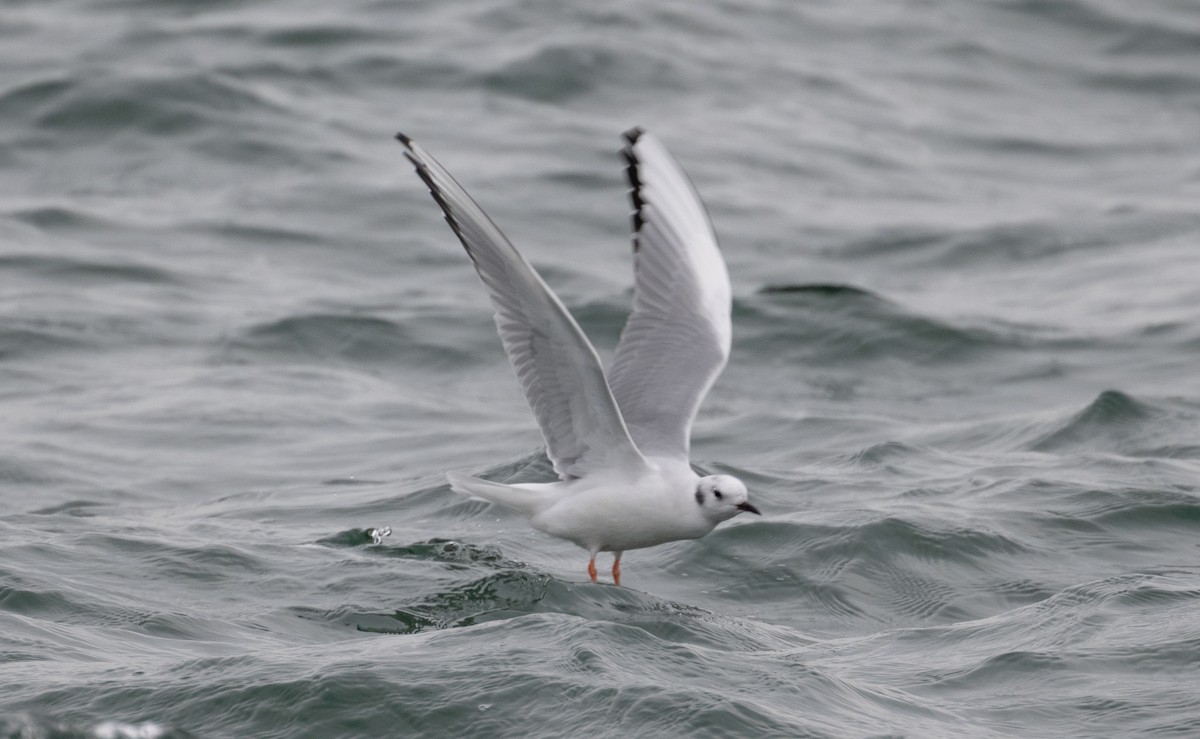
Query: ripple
point(23, 97)
point(508, 591)
point(561, 73)
point(434, 550)
point(158, 105)
point(1023, 241)
point(1007, 668)
point(498, 596)
point(38, 340)
point(76, 508)
point(54, 217)
point(75, 270)
point(1133, 510)
point(359, 67)
point(1124, 26)
point(892, 538)
point(321, 35)
point(1124, 627)
point(885, 453)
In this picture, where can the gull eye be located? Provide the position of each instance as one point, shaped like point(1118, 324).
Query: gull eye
point(717, 493)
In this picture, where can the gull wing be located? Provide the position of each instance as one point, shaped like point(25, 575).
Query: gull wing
point(677, 338)
point(557, 366)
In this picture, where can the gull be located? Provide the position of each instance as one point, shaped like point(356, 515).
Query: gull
point(619, 442)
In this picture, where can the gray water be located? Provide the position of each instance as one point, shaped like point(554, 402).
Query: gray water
point(235, 334)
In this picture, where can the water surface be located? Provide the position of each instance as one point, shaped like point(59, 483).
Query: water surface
point(235, 335)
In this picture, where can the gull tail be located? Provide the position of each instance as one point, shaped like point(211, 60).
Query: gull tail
point(519, 498)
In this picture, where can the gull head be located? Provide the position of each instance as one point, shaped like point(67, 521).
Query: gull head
point(722, 497)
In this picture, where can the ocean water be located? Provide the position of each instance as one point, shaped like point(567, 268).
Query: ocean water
point(236, 335)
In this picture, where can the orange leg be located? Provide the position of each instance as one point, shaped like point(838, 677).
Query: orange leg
point(617, 569)
point(592, 567)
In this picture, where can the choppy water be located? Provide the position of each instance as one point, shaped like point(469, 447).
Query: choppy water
point(235, 334)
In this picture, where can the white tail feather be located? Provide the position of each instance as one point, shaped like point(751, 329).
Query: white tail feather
point(520, 499)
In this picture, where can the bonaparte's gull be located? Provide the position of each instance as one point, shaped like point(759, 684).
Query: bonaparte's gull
point(619, 443)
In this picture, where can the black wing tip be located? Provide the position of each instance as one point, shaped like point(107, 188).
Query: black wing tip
point(439, 196)
point(635, 180)
point(409, 151)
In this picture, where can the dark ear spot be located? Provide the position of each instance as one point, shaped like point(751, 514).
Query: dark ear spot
point(699, 497)
point(717, 493)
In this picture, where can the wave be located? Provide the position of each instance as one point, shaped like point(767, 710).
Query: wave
point(77, 270)
point(493, 587)
point(340, 337)
point(40, 338)
point(557, 73)
point(59, 217)
point(1117, 422)
point(831, 324)
point(1023, 241)
point(163, 105)
point(1127, 29)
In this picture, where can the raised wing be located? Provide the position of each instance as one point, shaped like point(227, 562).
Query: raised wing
point(677, 339)
point(557, 366)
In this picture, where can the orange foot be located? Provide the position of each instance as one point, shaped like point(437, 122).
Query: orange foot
point(592, 568)
point(617, 572)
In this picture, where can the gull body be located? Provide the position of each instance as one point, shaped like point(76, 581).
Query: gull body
point(613, 512)
point(618, 441)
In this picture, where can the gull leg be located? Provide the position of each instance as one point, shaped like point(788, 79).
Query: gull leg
point(617, 569)
point(592, 567)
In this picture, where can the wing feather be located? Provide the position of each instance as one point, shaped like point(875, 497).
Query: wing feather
point(677, 339)
point(556, 365)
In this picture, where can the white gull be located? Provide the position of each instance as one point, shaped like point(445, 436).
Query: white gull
point(618, 443)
